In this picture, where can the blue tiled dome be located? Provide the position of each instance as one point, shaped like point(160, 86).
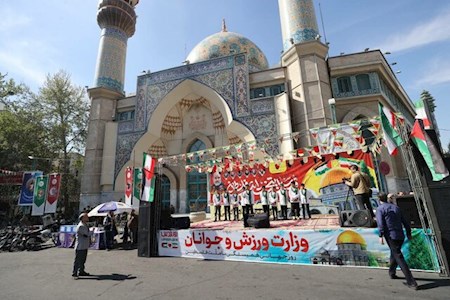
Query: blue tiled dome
point(227, 43)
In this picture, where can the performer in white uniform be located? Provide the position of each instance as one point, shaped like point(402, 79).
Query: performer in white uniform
point(217, 198)
point(304, 200)
point(293, 198)
point(264, 200)
point(273, 200)
point(283, 202)
point(234, 199)
point(226, 204)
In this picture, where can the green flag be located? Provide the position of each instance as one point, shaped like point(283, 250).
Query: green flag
point(137, 185)
point(40, 195)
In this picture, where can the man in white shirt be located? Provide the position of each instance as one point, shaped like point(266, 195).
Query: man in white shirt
point(293, 198)
point(283, 202)
point(304, 200)
point(264, 200)
point(273, 200)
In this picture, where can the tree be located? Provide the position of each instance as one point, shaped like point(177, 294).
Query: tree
point(65, 116)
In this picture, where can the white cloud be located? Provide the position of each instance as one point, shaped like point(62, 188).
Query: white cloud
point(11, 21)
point(432, 31)
point(437, 72)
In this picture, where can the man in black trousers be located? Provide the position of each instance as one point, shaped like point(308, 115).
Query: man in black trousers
point(390, 225)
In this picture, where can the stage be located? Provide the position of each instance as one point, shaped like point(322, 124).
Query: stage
point(317, 222)
point(319, 240)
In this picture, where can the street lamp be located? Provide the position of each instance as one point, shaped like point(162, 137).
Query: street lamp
point(332, 103)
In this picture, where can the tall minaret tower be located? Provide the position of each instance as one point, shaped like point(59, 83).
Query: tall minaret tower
point(304, 57)
point(117, 19)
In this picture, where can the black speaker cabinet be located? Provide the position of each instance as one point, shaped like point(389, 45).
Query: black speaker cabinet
point(258, 221)
point(408, 207)
point(181, 222)
point(355, 218)
point(144, 230)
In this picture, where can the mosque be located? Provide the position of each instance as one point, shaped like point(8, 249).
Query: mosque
point(226, 94)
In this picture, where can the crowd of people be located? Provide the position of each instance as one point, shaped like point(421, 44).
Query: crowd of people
point(274, 201)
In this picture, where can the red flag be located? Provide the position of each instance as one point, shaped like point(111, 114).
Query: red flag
point(128, 185)
point(54, 184)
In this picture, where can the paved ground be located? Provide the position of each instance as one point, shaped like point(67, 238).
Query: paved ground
point(120, 274)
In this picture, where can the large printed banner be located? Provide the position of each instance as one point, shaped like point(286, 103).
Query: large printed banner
point(54, 184)
point(27, 189)
point(40, 194)
point(322, 177)
point(355, 247)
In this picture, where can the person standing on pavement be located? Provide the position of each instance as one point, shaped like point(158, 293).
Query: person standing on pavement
point(390, 226)
point(360, 183)
point(83, 238)
point(133, 225)
point(109, 226)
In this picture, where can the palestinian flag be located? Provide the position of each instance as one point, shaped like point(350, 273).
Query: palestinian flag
point(429, 152)
point(421, 114)
point(391, 137)
point(148, 178)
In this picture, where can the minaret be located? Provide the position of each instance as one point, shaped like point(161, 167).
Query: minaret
point(304, 57)
point(298, 22)
point(117, 19)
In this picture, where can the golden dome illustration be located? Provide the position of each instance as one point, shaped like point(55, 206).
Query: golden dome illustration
point(351, 237)
point(334, 176)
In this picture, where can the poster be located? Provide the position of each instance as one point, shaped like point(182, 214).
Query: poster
point(54, 184)
point(27, 188)
point(349, 247)
point(39, 196)
point(321, 176)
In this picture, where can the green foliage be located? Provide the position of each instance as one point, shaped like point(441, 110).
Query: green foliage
point(372, 260)
point(419, 253)
point(50, 126)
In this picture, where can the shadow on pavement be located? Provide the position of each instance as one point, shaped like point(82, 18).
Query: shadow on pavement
point(433, 283)
point(117, 277)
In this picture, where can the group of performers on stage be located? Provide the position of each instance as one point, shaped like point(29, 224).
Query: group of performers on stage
point(269, 198)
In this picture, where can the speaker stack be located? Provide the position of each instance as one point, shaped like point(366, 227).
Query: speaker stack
point(355, 218)
point(257, 221)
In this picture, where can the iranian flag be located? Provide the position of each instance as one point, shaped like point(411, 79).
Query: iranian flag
point(421, 114)
point(149, 180)
point(388, 121)
point(429, 152)
point(128, 185)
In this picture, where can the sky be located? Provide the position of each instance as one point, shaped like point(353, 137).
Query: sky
point(38, 38)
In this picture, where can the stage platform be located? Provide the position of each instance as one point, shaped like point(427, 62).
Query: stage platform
point(317, 222)
point(315, 241)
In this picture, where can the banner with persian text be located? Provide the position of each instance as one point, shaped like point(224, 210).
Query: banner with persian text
point(350, 247)
point(321, 176)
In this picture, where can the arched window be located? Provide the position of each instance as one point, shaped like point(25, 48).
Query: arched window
point(363, 82)
point(196, 182)
point(344, 84)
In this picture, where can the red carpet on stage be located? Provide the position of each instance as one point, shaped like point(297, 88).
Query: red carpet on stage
point(317, 222)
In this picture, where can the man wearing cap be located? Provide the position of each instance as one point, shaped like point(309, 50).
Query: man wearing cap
point(83, 237)
point(360, 182)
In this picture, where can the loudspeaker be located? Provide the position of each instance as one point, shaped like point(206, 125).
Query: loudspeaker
point(408, 207)
point(181, 223)
point(166, 219)
point(258, 221)
point(355, 218)
point(144, 230)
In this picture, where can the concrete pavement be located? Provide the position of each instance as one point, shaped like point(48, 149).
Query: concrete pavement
point(120, 274)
